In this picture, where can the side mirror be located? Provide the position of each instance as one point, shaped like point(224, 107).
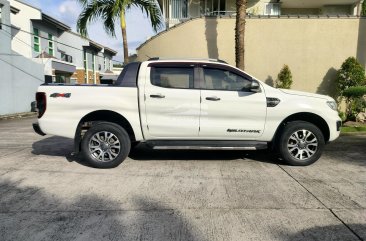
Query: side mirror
point(255, 86)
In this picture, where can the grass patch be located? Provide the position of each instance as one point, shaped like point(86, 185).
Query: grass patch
point(347, 129)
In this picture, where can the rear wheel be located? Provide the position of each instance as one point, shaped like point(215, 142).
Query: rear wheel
point(301, 143)
point(105, 145)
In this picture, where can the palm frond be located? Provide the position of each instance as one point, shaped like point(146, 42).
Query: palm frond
point(97, 9)
point(152, 10)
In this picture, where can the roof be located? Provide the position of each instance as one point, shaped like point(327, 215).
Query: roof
point(55, 22)
point(113, 52)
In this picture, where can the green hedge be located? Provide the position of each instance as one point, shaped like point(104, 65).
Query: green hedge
point(355, 92)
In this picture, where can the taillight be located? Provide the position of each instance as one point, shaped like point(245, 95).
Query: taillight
point(41, 103)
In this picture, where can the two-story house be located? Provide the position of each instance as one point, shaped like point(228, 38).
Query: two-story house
point(68, 57)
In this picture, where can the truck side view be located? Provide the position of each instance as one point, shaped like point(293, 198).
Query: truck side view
point(186, 104)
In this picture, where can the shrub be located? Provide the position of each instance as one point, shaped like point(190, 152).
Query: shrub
point(355, 92)
point(355, 101)
point(342, 115)
point(351, 74)
point(284, 78)
point(363, 9)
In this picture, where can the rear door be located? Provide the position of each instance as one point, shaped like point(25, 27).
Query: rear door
point(172, 104)
point(229, 110)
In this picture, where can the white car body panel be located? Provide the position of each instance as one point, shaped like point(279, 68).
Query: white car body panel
point(182, 114)
point(63, 115)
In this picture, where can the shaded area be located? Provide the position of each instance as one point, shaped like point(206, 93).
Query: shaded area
point(20, 218)
point(211, 37)
point(327, 233)
point(53, 146)
point(361, 43)
point(348, 148)
point(269, 81)
point(63, 147)
point(328, 85)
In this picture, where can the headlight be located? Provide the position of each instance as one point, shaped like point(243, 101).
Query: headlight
point(332, 105)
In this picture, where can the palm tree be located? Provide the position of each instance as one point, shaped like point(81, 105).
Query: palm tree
point(241, 8)
point(111, 10)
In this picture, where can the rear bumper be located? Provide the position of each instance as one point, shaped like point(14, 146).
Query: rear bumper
point(37, 129)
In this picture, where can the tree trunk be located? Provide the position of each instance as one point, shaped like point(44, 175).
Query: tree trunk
point(124, 37)
point(241, 7)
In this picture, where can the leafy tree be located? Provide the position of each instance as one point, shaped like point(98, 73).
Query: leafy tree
point(351, 74)
point(109, 11)
point(284, 80)
point(241, 7)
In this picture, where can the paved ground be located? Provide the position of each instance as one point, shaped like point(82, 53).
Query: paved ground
point(45, 194)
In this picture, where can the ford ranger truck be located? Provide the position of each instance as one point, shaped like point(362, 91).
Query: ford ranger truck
point(189, 105)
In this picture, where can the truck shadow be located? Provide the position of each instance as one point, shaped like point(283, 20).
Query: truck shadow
point(63, 147)
point(144, 153)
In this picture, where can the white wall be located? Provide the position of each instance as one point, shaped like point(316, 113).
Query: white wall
point(20, 76)
point(22, 41)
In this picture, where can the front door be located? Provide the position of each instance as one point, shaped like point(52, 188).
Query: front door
point(229, 110)
point(172, 105)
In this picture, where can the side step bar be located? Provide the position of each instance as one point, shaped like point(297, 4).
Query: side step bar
point(207, 145)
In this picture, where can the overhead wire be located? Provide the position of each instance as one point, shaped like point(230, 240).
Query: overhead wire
point(55, 41)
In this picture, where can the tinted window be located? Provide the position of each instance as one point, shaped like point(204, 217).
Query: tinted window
point(217, 79)
point(128, 76)
point(172, 77)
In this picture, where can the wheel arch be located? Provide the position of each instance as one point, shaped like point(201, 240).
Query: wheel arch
point(101, 115)
point(315, 119)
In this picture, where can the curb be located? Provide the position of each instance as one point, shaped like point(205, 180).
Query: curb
point(18, 116)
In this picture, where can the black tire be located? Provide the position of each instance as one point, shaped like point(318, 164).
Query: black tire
point(297, 150)
point(105, 154)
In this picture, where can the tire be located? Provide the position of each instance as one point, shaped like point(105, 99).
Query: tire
point(301, 143)
point(105, 145)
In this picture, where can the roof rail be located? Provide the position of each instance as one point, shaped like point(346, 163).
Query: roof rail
point(211, 60)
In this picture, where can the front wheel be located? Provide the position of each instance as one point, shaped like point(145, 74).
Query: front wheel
point(105, 145)
point(301, 143)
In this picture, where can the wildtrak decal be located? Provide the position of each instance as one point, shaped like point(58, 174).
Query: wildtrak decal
point(243, 131)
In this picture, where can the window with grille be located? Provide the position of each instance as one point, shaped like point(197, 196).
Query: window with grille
point(36, 41)
point(50, 45)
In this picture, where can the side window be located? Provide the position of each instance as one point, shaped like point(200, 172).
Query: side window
point(172, 77)
point(217, 79)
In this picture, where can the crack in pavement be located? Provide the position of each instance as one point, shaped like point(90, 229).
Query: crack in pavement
point(329, 209)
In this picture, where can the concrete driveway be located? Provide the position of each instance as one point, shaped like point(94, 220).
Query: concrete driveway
point(45, 194)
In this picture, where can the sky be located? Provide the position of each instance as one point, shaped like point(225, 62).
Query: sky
point(67, 11)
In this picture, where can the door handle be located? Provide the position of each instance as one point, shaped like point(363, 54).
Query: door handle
point(214, 98)
point(158, 96)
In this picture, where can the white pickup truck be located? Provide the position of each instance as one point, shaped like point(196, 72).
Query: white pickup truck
point(186, 104)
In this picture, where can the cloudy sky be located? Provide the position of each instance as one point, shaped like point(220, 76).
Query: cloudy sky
point(67, 11)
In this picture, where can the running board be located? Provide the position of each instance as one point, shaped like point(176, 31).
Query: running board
point(207, 145)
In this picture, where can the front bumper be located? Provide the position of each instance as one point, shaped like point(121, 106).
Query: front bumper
point(37, 129)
